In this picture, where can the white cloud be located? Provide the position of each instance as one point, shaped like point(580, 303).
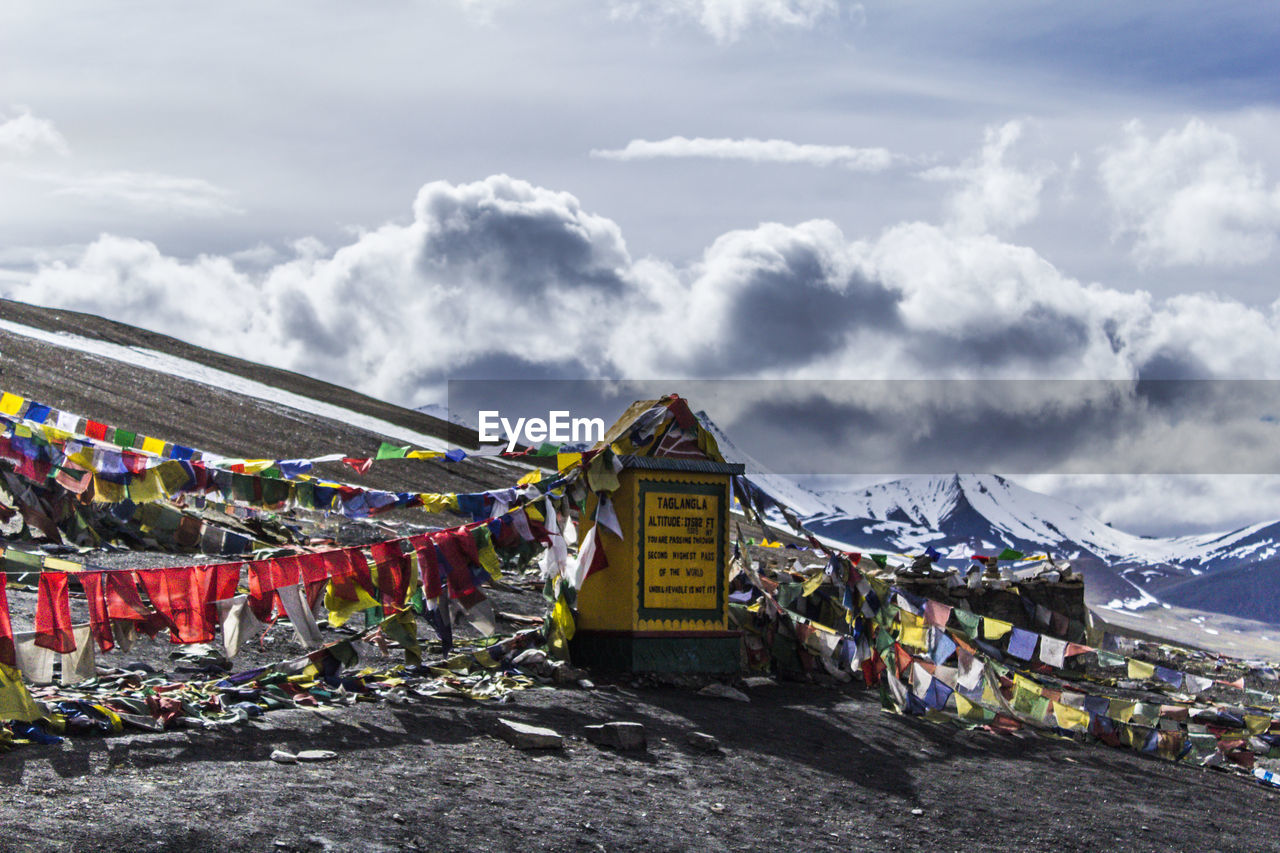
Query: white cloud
point(728, 20)
point(1189, 197)
point(24, 134)
point(993, 196)
point(754, 150)
point(501, 278)
point(1185, 502)
point(145, 191)
point(497, 272)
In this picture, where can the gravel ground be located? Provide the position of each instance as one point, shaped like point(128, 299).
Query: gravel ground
point(801, 767)
point(815, 766)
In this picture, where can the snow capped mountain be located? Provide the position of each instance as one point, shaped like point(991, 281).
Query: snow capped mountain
point(959, 512)
point(964, 514)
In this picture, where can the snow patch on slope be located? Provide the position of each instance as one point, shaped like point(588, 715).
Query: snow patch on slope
point(195, 372)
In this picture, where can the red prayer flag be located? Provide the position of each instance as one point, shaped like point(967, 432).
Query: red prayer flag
point(180, 595)
point(99, 621)
point(261, 587)
point(53, 614)
point(429, 569)
point(315, 574)
point(393, 573)
point(349, 569)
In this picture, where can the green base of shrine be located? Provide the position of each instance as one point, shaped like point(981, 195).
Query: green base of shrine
point(610, 651)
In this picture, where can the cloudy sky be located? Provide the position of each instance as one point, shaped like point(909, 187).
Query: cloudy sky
point(396, 194)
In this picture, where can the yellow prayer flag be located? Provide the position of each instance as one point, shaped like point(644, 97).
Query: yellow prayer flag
point(1256, 724)
point(812, 584)
point(15, 702)
point(11, 404)
point(565, 461)
point(561, 629)
point(172, 476)
point(255, 466)
point(534, 476)
point(490, 561)
point(145, 488)
point(52, 433)
point(994, 629)
point(1027, 684)
point(1121, 710)
point(340, 609)
point(437, 503)
point(153, 446)
point(1141, 670)
point(912, 634)
point(424, 454)
point(105, 491)
point(765, 543)
point(1071, 719)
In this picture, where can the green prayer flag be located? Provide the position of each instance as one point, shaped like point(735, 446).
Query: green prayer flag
point(880, 560)
point(390, 451)
point(967, 620)
point(1110, 659)
point(1010, 554)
